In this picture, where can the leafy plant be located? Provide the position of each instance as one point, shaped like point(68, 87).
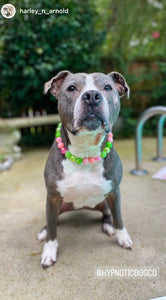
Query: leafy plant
point(35, 47)
point(159, 92)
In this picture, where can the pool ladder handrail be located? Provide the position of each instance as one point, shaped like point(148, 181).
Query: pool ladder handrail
point(147, 114)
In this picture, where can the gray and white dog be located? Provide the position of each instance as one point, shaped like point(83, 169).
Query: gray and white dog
point(88, 106)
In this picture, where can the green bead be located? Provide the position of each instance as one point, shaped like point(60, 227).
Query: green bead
point(103, 154)
point(59, 125)
point(108, 144)
point(107, 150)
point(58, 134)
point(79, 160)
point(68, 154)
point(58, 129)
point(72, 157)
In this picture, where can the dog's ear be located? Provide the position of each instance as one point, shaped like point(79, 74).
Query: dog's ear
point(121, 84)
point(54, 83)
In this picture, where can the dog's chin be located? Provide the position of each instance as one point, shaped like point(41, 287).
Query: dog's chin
point(92, 122)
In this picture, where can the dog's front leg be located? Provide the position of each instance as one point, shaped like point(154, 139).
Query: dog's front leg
point(53, 207)
point(114, 201)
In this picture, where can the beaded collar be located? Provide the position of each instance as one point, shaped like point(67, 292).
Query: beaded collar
point(80, 160)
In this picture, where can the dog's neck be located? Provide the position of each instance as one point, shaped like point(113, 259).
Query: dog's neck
point(86, 144)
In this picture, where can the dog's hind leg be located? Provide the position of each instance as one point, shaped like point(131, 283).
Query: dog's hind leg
point(107, 225)
point(42, 235)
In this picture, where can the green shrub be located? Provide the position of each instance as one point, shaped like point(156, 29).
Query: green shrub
point(34, 48)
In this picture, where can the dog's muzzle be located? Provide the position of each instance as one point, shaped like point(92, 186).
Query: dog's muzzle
point(92, 117)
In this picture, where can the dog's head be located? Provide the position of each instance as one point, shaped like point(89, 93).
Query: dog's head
point(8, 11)
point(88, 101)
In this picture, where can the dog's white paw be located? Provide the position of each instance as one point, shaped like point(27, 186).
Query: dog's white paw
point(49, 254)
point(123, 238)
point(41, 236)
point(108, 229)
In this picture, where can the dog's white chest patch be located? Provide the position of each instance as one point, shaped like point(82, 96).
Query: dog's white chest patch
point(84, 185)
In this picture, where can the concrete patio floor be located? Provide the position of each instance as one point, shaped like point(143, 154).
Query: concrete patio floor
point(83, 247)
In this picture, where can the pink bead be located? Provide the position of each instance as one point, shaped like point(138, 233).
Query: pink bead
point(60, 145)
point(63, 150)
point(85, 161)
point(110, 134)
point(58, 139)
point(97, 158)
point(91, 160)
point(110, 139)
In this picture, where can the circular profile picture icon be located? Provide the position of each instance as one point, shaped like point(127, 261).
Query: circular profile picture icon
point(8, 11)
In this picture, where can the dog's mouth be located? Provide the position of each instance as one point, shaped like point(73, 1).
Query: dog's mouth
point(92, 121)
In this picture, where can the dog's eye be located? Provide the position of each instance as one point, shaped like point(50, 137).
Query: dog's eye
point(107, 88)
point(71, 88)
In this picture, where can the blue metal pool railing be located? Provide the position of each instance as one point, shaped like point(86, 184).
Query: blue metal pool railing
point(160, 128)
point(147, 114)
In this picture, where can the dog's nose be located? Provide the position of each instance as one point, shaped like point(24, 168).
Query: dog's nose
point(92, 98)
